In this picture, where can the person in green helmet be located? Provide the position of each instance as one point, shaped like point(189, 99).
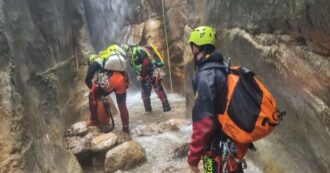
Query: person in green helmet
point(147, 64)
point(210, 87)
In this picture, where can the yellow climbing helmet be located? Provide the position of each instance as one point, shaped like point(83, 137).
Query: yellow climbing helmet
point(104, 54)
point(116, 49)
point(91, 58)
point(202, 35)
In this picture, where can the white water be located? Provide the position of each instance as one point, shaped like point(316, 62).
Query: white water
point(160, 148)
point(106, 19)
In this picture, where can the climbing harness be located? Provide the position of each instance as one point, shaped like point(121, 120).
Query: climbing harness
point(158, 73)
point(229, 152)
point(102, 80)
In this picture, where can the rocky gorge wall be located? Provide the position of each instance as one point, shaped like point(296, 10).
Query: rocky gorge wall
point(287, 44)
point(40, 42)
point(137, 23)
point(43, 49)
point(43, 45)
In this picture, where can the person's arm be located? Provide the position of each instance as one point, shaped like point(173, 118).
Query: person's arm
point(136, 67)
point(203, 114)
point(145, 67)
point(92, 69)
point(201, 133)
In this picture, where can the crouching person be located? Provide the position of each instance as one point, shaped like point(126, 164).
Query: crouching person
point(109, 69)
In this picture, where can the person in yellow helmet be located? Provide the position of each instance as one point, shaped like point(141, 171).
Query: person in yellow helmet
point(122, 49)
point(91, 58)
point(116, 81)
point(210, 87)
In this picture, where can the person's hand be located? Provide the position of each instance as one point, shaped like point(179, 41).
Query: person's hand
point(139, 78)
point(194, 169)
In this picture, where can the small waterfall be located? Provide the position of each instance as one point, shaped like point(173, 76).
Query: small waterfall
point(106, 20)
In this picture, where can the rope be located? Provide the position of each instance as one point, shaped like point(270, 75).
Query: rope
point(168, 52)
point(77, 61)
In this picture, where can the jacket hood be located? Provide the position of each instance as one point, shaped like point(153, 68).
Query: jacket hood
point(213, 57)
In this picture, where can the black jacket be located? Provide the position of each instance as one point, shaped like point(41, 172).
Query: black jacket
point(210, 86)
point(92, 69)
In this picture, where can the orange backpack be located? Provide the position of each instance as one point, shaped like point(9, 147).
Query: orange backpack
point(251, 111)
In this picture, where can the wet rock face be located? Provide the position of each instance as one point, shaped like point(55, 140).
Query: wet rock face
point(305, 19)
point(176, 18)
point(281, 42)
point(105, 21)
point(38, 40)
point(137, 22)
point(124, 156)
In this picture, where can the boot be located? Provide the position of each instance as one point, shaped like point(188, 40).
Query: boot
point(166, 106)
point(126, 130)
point(147, 105)
point(106, 128)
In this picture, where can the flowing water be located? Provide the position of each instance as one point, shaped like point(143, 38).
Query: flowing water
point(105, 20)
point(161, 149)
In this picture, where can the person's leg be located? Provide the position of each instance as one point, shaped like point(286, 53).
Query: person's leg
point(93, 94)
point(121, 101)
point(157, 85)
point(146, 92)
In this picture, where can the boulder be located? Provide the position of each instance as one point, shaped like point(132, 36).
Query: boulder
point(173, 125)
point(77, 129)
point(123, 137)
point(103, 142)
point(79, 146)
point(125, 156)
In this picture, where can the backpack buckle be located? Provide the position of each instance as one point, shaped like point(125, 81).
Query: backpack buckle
point(281, 115)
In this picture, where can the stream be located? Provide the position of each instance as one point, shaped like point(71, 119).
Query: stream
point(165, 152)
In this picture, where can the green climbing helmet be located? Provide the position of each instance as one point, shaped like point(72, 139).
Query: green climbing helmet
point(135, 54)
point(202, 35)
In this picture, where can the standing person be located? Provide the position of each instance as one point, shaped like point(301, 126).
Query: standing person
point(210, 87)
point(144, 61)
point(115, 80)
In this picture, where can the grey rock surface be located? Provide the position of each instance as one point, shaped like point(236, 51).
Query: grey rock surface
point(287, 45)
point(41, 46)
